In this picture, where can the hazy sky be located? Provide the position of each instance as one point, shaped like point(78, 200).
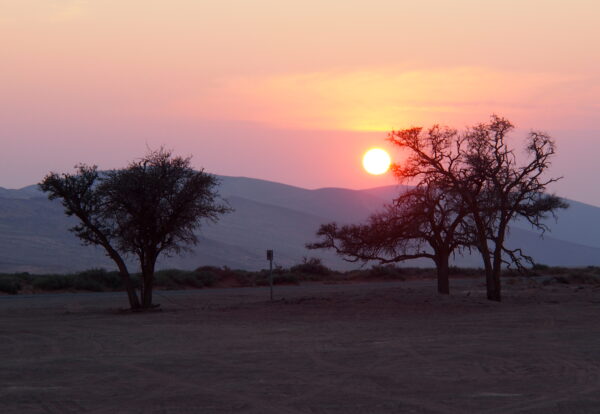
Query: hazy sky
point(286, 90)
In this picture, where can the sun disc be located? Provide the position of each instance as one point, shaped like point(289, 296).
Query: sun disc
point(376, 161)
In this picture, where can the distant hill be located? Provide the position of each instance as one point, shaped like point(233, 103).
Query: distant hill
point(323, 202)
point(23, 193)
point(34, 234)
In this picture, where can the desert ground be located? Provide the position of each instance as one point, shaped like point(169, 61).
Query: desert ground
point(394, 347)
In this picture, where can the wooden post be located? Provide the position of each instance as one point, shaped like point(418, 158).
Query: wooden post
point(270, 259)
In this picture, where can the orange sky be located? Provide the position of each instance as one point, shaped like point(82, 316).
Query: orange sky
point(267, 88)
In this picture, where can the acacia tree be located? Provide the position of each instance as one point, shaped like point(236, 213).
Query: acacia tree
point(80, 197)
point(480, 168)
point(153, 206)
point(425, 222)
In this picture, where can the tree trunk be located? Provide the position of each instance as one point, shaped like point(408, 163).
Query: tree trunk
point(134, 301)
point(443, 271)
point(494, 293)
point(490, 285)
point(148, 283)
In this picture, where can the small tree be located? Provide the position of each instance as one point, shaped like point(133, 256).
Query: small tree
point(481, 170)
point(151, 207)
point(425, 222)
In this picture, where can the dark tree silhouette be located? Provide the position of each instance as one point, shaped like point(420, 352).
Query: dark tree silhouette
point(80, 198)
point(480, 169)
point(425, 222)
point(151, 207)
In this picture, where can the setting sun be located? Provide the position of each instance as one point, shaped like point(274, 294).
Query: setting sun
point(376, 161)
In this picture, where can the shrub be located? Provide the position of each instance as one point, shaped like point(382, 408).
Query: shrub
point(584, 278)
point(169, 278)
point(10, 284)
point(97, 280)
point(311, 266)
point(386, 272)
point(88, 284)
point(594, 269)
point(245, 277)
point(205, 278)
point(213, 269)
point(183, 279)
point(174, 278)
point(260, 278)
point(464, 271)
point(53, 282)
point(286, 279)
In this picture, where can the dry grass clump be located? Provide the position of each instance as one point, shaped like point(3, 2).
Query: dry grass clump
point(310, 270)
point(566, 275)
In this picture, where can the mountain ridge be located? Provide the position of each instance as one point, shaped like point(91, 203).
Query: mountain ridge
point(34, 232)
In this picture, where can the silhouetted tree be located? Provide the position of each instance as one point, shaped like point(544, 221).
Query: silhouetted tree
point(151, 207)
point(425, 222)
point(480, 169)
point(80, 198)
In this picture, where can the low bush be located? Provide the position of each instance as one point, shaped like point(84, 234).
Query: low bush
point(285, 278)
point(53, 282)
point(88, 284)
point(260, 278)
point(10, 284)
point(244, 277)
point(177, 279)
point(213, 269)
point(594, 269)
point(387, 272)
point(464, 271)
point(584, 278)
point(205, 278)
point(574, 276)
point(168, 279)
point(311, 266)
point(97, 280)
point(183, 279)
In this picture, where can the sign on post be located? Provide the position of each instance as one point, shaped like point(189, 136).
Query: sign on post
point(270, 259)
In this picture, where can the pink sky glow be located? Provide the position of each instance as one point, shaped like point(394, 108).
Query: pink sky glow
point(290, 91)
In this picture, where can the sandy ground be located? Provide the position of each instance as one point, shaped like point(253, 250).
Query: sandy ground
point(363, 348)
